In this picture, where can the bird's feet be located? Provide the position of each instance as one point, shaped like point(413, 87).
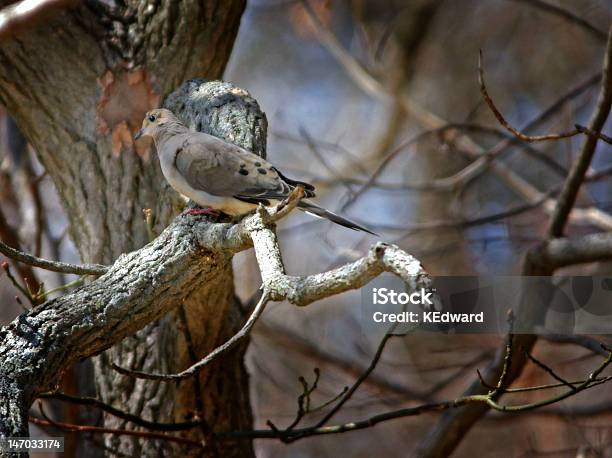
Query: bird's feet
point(206, 211)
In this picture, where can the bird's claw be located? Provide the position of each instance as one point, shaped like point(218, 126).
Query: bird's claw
point(207, 211)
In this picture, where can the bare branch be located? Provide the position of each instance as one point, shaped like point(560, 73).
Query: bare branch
point(592, 133)
point(449, 431)
point(582, 341)
point(349, 393)
point(515, 131)
point(120, 432)
point(562, 252)
point(505, 372)
point(577, 173)
point(301, 290)
point(550, 371)
point(305, 290)
point(193, 370)
point(429, 120)
point(588, 383)
point(464, 401)
point(93, 402)
point(55, 266)
point(567, 15)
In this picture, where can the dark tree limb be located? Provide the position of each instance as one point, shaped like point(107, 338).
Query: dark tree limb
point(567, 15)
point(568, 195)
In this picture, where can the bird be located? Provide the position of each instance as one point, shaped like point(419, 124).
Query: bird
point(220, 176)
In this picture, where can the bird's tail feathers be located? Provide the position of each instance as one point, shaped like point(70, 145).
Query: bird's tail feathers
point(320, 212)
point(309, 190)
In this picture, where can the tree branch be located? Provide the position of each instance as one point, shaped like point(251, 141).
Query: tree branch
point(564, 252)
point(485, 400)
point(94, 402)
point(126, 432)
point(576, 176)
point(567, 15)
point(454, 425)
point(143, 285)
point(55, 266)
point(304, 290)
point(520, 135)
point(583, 341)
point(195, 368)
point(371, 86)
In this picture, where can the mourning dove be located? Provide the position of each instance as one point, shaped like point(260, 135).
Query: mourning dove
point(218, 174)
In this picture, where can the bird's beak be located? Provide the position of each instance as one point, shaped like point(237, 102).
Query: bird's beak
point(138, 134)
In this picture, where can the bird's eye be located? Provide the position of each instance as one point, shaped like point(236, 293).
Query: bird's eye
point(152, 118)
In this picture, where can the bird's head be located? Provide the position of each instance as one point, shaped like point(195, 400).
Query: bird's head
point(154, 121)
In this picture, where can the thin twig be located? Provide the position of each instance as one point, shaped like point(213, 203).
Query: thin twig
point(592, 133)
point(549, 370)
point(192, 370)
point(93, 402)
point(21, 289)
point(583, 341)
point(548, 386)
point(501, 382)
point(506, 124)
point(567, 15)
point(295, 434)
point(117, 432)
point(588, 383)
point(304, 401)
point(55, 266)
point(349, 393)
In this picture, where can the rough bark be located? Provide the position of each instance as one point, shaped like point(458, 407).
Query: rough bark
point(208, 317)
point(39, 345)
point(145, 284)
point(78, 86)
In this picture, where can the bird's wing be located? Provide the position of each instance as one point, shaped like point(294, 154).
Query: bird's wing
point(220, 168)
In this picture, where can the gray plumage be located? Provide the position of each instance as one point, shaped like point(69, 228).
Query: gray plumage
point(218, 174)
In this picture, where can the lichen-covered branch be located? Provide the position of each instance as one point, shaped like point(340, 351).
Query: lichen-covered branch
point(299, 290)
point(382, 257)
point(142, 286)
point(138, 288)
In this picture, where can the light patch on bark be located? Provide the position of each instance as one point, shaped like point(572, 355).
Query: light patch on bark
point(125, 96)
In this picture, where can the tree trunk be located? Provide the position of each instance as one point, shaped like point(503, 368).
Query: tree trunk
point(78, 87)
